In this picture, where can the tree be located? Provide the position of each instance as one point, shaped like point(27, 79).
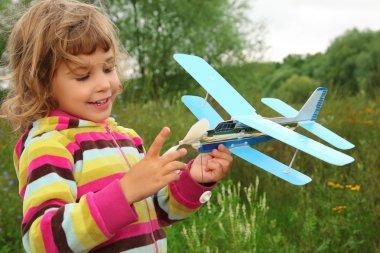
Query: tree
point(152, 31)
point(3, 25)
point(353, 61)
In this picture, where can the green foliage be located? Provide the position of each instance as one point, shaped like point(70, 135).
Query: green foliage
point(353, 61)
point(296, 89)
point(350, 65)
point(238, 214)
point(10, 208)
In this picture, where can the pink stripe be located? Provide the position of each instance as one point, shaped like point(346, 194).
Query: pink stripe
point(47, 233)
point(186, 191)
point(92, 136)
point(137, 141)
point(63, 123)
point(31, 211)
point(22, 192)
point(121, 136)
point(96, 215)
point(131, 231)
point(58, 161)
point(98, 184)
point(72, 147)
point(18, 148)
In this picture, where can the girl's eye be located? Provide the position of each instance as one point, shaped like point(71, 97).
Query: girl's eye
point(109, 70)
point(82, 78)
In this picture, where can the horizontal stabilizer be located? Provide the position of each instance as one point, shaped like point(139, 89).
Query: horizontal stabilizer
point(311, 126)
point(202, 110)
point(326, 135)
point(271, 165)
point(296, 140)
point(280, 106)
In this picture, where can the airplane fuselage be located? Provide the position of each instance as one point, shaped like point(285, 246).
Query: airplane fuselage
point(233, 133)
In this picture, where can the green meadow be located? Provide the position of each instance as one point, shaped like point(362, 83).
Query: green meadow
point(251, 210)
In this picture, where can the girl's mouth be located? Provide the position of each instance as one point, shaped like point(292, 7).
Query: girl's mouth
point(99, 102)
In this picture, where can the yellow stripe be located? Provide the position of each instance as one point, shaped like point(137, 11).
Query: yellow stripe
point(177, 208)
point(45, 147)
point(59, 190)
point(100, 168)
point(35, 237)
point(45, 125)
point(85, 227)
point(141, 208)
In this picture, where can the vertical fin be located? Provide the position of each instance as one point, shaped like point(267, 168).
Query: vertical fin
point(310, 110)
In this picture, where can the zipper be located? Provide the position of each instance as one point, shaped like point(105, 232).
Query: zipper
point(145, 201)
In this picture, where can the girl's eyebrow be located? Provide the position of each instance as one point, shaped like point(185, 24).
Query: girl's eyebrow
point(79, 67)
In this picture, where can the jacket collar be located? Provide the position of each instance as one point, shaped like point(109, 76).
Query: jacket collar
point(60, 120)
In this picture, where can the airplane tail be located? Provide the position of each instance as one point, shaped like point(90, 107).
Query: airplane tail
point(310, 110)
point(306, 117)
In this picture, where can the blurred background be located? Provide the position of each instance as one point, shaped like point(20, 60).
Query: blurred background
point(282, 49)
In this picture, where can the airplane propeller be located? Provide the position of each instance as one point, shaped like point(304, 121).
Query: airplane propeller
point(194, 134)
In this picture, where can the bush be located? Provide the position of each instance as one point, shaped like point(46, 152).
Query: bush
point(296, 89)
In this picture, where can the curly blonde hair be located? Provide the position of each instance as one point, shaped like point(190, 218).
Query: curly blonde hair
point(48, 33)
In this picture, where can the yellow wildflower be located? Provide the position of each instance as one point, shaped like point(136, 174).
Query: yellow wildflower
point(369, 123)
point(339, 209)
point(369, 110)
point(355, 188)
point(340, 186)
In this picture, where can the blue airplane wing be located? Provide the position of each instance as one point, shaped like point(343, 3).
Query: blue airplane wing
point(272, 166)
point(296, 140)
point(311, 126)
point(202, 110)
point(215, 85)
point(326, 134)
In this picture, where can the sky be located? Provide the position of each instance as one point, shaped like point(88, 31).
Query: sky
point(309, 26)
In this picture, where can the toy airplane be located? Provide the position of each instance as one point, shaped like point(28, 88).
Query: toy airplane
point(247, 128)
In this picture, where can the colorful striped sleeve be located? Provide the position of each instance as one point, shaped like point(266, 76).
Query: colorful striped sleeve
point(180, 199)
point(54, 220)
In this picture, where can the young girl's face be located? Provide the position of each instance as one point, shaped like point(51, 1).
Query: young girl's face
point(87, 90)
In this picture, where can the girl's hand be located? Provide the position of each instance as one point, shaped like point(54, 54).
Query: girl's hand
point(152, 172)
point(214, 165)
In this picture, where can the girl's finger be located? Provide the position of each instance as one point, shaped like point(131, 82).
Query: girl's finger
point(174, 176)
point(223, 162)
point(173, 167)
point(221, 154)
point(224, 149)
point(214, 165)
point(156, 146)
point(174, 155)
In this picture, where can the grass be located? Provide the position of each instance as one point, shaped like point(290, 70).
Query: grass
point(338, 211)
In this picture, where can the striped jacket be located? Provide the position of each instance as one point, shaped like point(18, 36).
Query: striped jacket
point(68, 171)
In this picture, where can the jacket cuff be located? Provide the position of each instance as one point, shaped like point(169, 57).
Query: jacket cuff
point(188, 191)
point(113, 210)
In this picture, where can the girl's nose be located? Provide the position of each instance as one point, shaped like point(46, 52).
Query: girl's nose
point(103, 83)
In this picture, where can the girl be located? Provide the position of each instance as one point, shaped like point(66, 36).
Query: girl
point(86, 183)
